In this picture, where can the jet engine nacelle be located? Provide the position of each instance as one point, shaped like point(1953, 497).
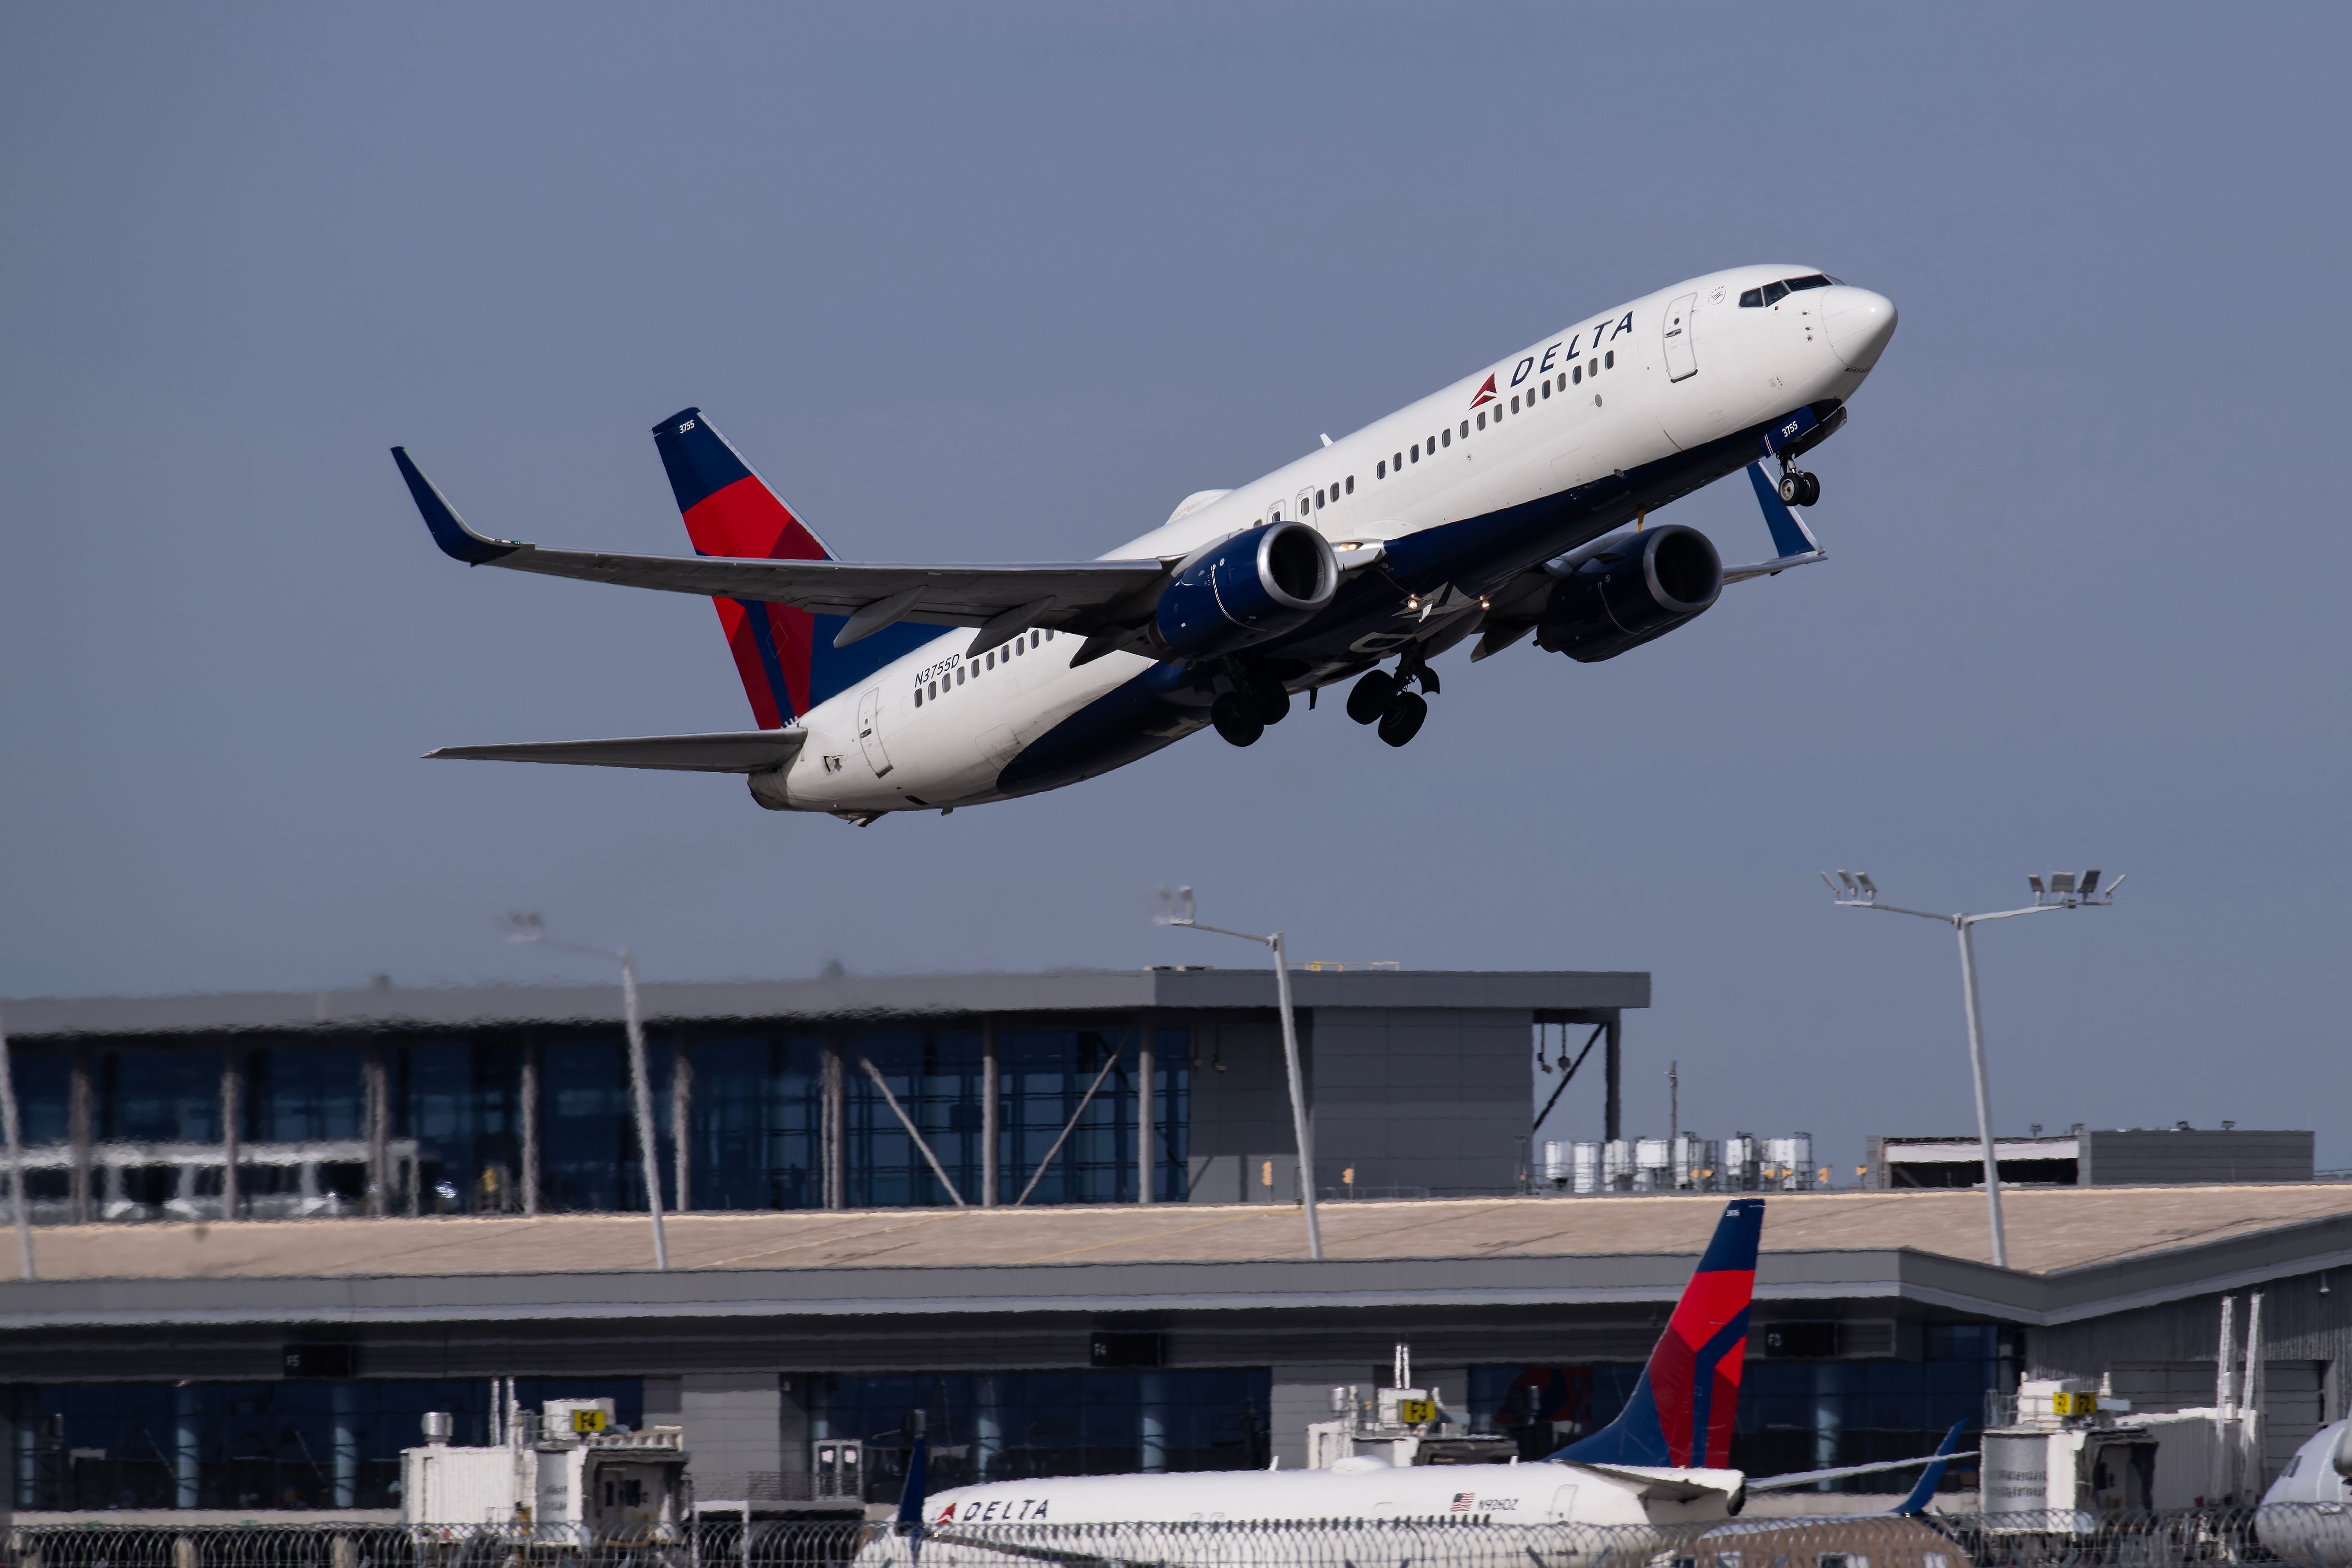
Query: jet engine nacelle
point(1257, 585)
point(1639, 587)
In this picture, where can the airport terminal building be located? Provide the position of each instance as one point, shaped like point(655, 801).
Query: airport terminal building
point(1056, 1212)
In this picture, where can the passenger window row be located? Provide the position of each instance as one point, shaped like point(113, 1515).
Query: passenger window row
point(1396, 463)
point(1773, 293)
point(929, 689)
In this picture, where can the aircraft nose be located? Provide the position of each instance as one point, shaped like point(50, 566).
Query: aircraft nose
point(1859, 324)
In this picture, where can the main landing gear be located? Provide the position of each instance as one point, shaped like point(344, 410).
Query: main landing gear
point(1242, 714)
point(1383, 698)
point(1798, 487)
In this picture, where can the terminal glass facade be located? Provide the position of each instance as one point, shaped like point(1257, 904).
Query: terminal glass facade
point(476, 1106)
point(1011, 1425)
point(250, 1445)
point(1793, 1414)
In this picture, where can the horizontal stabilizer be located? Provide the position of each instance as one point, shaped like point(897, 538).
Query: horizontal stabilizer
point(738, 752)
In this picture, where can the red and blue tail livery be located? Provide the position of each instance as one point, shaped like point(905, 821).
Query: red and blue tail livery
point(784, 654)
point(1683, 1410)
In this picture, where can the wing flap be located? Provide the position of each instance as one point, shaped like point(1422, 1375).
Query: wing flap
point(738, 752)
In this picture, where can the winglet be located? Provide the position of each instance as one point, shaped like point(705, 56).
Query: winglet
point(1933, 1476)
point(910, 1500)
point(449, 530)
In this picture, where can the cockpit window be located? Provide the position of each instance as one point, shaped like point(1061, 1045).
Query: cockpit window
point(1773, 293)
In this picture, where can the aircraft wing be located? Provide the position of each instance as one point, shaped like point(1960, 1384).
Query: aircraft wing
point(1670, 1483)
point(1078, 596)
point(740, 752)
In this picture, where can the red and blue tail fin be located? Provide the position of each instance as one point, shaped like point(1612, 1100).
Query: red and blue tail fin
point(785, 656)
point(1682, 1411)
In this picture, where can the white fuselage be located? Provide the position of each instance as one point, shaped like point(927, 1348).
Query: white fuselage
point(1543, 1493)
point(1631, 408)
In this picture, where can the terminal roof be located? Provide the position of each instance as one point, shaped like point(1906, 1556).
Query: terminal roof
point(846, 998)
point(2078, 1252)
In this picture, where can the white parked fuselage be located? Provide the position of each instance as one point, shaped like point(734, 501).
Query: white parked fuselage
point(875, 748)
point(1543, 1493)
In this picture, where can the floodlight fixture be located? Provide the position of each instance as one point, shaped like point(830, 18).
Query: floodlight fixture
point(1176, 909)
point(2063, 891)
point(529, 926)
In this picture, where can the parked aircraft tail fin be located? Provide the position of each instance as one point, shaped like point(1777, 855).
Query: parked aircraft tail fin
point(785, 656)
point(1682, 1410)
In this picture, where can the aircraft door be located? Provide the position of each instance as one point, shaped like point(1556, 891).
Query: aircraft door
point(869, 731)
point(1681, 362)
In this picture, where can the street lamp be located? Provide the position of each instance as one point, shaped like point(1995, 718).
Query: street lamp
point(16, 1200)
point(1177, 910)
point(525, 926)
point(2063, 890)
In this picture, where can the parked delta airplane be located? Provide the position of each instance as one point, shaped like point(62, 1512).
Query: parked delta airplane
point(1514, 501)
point(1664, 1461)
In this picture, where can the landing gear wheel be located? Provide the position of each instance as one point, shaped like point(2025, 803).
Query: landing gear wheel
point(1234, 722)
point(1812, 490)
point(1404, 719)
point(1372, 695)
point(1793, 487)
point(1272, 706)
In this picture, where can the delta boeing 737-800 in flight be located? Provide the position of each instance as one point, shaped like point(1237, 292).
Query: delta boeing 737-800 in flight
point(1516, 500)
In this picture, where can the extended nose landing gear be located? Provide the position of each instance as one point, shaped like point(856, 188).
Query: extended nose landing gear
point(1798, 487)
point(1383, 698)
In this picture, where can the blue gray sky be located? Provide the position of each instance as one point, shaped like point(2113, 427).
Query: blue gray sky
point(1006, 282)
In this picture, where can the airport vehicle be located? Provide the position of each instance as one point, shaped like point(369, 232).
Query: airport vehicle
point(1515, 501)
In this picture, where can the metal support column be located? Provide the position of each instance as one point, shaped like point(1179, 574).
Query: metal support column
point(837, 1130)
point(681, 1119)
point(1612, 1065)
point(232, 1094)
point(79, 1130)
point(378, 1133)
point(1145, 1137)
point(527, 1113)
point(988, 1104)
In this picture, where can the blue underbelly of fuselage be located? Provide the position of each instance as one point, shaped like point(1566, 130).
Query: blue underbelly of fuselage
point(1369, 620)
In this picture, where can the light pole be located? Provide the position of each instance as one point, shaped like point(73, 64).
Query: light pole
point(2065, 890)
point(15, 1160)
point(1178, 912)
point(527, 927)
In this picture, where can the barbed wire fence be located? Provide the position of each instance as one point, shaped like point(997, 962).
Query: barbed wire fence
point(2306, 1535)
